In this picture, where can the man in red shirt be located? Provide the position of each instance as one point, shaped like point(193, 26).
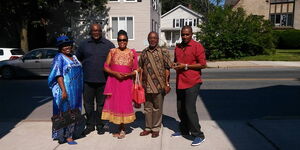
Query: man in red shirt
point(189, 60)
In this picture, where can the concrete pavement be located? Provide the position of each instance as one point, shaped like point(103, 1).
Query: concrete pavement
point(29, 135)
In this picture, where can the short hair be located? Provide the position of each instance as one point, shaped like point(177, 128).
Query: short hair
point(153, 32)
point(187, 27)
point(122, 32)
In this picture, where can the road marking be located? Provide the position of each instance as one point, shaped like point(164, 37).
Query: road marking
point(45, 98)
point(247, 79)
point(254, 79)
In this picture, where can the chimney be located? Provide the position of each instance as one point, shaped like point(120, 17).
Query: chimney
point(190, 6)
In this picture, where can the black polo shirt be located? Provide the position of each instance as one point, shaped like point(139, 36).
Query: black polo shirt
point(92, 55)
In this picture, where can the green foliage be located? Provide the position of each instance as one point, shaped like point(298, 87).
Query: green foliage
point(24, 14)
point(288, 39)
point(233, 34)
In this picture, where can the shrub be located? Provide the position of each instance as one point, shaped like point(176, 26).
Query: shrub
point(288, 39)
point(233, 34)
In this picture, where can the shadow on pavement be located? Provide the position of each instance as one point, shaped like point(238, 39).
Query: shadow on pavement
point(245, 105)
point(167, 121)
point(18, 99)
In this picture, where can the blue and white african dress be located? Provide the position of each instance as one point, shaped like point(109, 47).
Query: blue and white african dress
point(71, 71)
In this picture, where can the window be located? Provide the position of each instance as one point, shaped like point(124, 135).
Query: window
point(154, 4)
point(183, 22)
point(281, 1)
point(188, 22)
point(282, 12)
point(16, 52)
point(177, 23)
point(1, 52)
point(154, 26)
point(122, 23)
point(129, 0)
point(51, 53)
point(37, 54)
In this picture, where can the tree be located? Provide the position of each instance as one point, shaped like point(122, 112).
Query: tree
point(18, 15)
point(74, 19)
point(200, 6)
point(233, 34)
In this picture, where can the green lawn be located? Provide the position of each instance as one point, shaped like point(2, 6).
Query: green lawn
point(281, 55)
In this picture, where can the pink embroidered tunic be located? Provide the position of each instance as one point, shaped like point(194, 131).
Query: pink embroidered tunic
point(118, 104)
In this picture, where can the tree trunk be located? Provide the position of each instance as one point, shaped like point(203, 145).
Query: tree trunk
point(24, 36)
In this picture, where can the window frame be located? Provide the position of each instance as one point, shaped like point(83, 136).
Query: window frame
point(154, 4)
point(128, 1)
point(48, 51)
point(177, 21)
point(282, 13)
point(133, 25)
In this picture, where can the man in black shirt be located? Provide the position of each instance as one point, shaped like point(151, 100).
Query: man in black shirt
point(92, 53)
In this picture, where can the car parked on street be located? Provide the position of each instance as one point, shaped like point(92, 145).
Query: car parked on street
point(36, 62)
point(10, 53)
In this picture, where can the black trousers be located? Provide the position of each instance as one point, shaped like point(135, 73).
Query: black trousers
point(90, 92)
point(186, 109)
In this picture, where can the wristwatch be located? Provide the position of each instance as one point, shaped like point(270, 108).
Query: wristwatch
point(168, 84)
point(186, 67)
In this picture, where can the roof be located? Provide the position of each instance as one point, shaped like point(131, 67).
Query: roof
point(183, 7)
point(231, 2)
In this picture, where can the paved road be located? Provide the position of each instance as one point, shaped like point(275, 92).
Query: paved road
point(230, 98)
point(226, 94)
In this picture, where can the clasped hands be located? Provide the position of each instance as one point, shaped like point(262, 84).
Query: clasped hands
point(178, 66)
point(123, 76)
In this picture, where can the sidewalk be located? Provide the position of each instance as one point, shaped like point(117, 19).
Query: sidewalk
point(36, 136)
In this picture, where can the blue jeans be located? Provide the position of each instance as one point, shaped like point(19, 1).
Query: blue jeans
point(186, 109)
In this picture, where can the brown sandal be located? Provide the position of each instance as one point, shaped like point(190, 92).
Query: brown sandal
point(116, 134)
point(121, 134)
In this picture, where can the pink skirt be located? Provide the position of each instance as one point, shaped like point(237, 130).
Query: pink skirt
point(118, 103)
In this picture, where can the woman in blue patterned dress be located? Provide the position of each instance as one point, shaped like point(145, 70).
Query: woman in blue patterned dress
point(65, 80)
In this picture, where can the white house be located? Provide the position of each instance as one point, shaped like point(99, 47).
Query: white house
point(173, 20)
point(137, 17)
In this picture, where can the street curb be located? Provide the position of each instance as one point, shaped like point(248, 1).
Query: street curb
point(263, 135)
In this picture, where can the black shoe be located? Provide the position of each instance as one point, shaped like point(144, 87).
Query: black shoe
point(100, 130)
point(88, 130)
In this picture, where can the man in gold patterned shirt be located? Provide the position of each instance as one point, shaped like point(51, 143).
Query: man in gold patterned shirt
point(155, 64)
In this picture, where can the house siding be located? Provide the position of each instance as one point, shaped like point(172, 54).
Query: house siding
point(257, 7)
point(155, 15)
point(262, 7)
point(142, 20)
point(167, 21)
point(297, 15)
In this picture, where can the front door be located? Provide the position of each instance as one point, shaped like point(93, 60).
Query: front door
point(31, 63)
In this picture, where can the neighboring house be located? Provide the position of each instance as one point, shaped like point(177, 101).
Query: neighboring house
point(172, 22)
point(137, 17)
point(282, 13)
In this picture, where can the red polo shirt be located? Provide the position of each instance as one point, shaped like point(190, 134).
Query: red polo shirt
point(193, 53)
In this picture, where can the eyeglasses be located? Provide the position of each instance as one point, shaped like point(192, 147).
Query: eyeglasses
point(185, 34)
point(124, 40)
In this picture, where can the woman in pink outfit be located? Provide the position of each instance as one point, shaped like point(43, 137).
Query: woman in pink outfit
point(121, 64)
